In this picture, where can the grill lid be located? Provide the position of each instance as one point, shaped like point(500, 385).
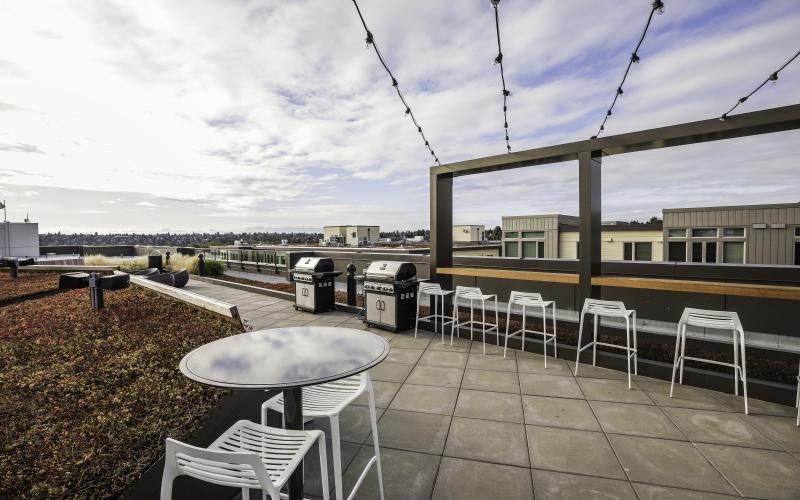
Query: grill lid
point(313, 265)
point(386, 270)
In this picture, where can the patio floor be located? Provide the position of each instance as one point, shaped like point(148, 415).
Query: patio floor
point(458, 424)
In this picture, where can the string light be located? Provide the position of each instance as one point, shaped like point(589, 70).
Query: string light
point(371, 43)
point(656, 7)
point(499, 61)
point(772, 78)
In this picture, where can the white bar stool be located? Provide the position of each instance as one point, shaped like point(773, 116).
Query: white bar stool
point(526, 299)
point(797, 403)
point(718, 320)
point(474, 295)
point(327, 401)
point(609, 309)
point(247, 455)
point(435, 293)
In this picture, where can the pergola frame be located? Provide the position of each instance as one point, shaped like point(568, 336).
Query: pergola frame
point(589, 154)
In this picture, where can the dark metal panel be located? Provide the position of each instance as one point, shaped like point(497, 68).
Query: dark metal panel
point(441, 226)
point(590, 216)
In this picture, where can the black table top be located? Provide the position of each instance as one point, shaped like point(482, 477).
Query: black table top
point(281, 358)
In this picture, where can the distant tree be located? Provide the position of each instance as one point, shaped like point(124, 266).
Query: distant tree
point(655, 220)
point(495, 234)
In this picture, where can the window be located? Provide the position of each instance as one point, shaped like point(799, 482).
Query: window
point(704, 232)
point(577, 249)
point(512, 249)
point(704, 251)
point(797, 253)
point(533, 234)
point(533, 249)
point(797, 231)
point(733, 252)
point(512, 235)
point(677, 251)
point(676, 233)
point(641, 251)
point(733, 232)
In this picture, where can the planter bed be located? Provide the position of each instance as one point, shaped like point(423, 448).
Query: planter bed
point(28, 284)
point(89, 396)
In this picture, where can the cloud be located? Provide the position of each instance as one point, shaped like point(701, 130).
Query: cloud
point(147, 204)
point(91, 212)
point(30, 193)
point(252, 110)
point(20, 148)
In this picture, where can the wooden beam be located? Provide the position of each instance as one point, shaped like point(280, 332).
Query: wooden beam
point(510, 274)
point(708, 287)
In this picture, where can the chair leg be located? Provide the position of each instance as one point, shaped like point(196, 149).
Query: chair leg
point(435, 312)
point(453, 323)
point(374, 423)
point(336, 451)
point(594, 346)
point(508, 323)
point(544, 336)
point(683, 354)
point(323, 466)
point(628, 348)
point(735, 362)
point(472, 321)
point(555, 340)
point(524, 326)
point(483, 324)
point(744, 375)
point(167, 479)
point(416, 323)
point(580, 335)
point(496, 324)
point(675, 362)
point(635, 347)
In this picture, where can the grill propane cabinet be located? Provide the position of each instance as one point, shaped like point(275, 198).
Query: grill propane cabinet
point(314, 284)
point(390, 295)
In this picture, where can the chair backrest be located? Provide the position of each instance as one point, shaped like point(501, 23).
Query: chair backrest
point(468, 292)
point(705, 318)
point(526, 299)
point(429, 288)
point(605, 307)
point(238, 469)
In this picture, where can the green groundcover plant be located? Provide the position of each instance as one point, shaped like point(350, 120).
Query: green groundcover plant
point(88, 397)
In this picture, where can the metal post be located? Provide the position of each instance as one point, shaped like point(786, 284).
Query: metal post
point(293, 415)
point(95, 291)
point(13, 269)
point(201, 265)
point(351, 284)
point(441, 228)
point(590, 215)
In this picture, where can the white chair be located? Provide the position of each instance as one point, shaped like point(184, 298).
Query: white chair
point(797, 401)
point(327, 401)
point(718, 320)
point(473, 295)
point(609, 309)
point(247, 455)
point(435, 293)
point(525, 300)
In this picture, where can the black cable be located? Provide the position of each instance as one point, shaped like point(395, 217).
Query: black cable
point(371, 41)
point(499, 60)
point(773, 77)
point(657, 6)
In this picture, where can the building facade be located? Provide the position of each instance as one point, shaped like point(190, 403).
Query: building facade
point(469, 233)
point(745, 234)
point(351, 236)
point(556, 236)
point(19, 239)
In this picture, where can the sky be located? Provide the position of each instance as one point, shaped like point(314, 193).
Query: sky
point(211, 115)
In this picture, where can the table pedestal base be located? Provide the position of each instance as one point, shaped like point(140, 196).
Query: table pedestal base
point(293, 414)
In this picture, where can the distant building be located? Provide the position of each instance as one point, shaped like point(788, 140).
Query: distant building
point(744, 234)
point(19, 239)
point(556, 236)
point(469, 233)
point(351, 236)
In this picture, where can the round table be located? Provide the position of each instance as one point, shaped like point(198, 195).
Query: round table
point(286, 359)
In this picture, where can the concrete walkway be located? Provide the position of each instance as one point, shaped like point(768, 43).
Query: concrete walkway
point(459, 424)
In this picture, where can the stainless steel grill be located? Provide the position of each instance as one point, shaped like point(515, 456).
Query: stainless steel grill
point(315, 287)
point(390, 294)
